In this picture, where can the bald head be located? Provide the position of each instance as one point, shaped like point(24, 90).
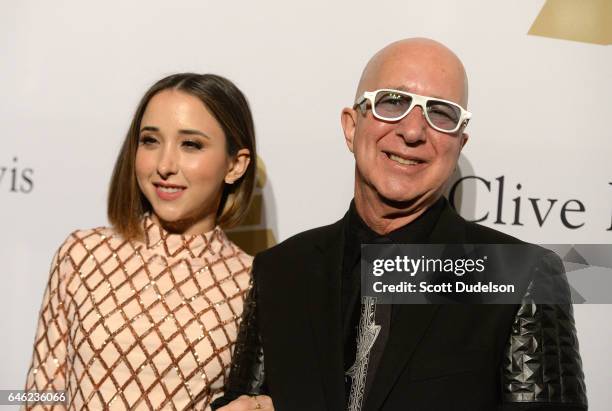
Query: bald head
point(423, 66)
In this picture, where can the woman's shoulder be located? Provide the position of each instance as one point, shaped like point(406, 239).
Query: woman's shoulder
point(77, 248)
point(84, 241)
point(231, 249)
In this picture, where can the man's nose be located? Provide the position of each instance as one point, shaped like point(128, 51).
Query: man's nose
point(413, 127)
point(168, 162)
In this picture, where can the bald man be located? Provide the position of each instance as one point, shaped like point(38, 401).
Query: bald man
point(301, 340)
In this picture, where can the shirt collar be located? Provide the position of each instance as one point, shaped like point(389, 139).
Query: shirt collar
point(417, 231)
point(160, 241)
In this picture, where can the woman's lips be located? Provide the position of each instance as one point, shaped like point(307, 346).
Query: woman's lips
point(168, 193)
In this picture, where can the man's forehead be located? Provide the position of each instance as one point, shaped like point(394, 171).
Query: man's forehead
point(413, 90)
point(423, 81)
point(419, 66)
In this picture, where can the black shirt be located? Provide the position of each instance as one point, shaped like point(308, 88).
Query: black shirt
point(356, 234)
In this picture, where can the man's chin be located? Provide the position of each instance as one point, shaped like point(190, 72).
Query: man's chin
point(408, 200)
point(398, 200)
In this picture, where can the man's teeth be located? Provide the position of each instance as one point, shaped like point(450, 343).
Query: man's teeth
point(169, 189)
point(403, 160)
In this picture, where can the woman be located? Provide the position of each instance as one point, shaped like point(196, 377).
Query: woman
point(144, 315)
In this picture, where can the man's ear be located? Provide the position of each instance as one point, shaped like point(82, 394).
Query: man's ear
point(464, 137)
point(238, 165)
point(348, 119)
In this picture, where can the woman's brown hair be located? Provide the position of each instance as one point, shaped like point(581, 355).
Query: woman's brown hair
point(127, 204)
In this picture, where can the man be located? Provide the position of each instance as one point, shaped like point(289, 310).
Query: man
point(298, 340)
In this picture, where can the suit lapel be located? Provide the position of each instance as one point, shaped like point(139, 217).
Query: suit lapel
point(411, 322)
point(325, 313)
point(407, 329)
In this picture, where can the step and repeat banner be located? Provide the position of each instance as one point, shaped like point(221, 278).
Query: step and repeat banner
point(537, 164)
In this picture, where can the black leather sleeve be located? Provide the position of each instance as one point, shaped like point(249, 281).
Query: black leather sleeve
point(542, 369)
point(247, 375)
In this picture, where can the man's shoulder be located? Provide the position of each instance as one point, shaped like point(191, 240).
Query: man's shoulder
point(474, 233)
point(303, 243)
point(488, 235)
point(520, 252)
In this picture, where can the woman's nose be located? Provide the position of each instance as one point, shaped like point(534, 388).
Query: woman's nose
point(167, 164)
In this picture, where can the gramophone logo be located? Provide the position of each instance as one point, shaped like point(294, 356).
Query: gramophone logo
point(587, 21)
point(253, 235)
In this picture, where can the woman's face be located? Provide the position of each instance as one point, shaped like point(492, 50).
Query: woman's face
point(182, 162)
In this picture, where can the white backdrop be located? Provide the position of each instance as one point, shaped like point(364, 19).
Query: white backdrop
point(72, 72)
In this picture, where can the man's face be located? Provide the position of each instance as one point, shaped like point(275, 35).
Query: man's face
point(407, 160)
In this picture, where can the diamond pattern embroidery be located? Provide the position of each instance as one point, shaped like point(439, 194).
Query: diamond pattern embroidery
point(139, 325)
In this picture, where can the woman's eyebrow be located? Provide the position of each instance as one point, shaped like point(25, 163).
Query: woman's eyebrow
point(194, 132)
point(187, 131)
point(149, 128)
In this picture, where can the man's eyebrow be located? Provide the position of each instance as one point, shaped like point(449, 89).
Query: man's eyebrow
point(402, 88)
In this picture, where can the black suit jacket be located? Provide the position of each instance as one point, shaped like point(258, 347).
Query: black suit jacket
point(437, 357)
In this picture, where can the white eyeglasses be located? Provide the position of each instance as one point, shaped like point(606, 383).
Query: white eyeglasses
point(394, 105)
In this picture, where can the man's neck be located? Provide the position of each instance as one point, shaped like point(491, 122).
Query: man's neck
point(384, 217)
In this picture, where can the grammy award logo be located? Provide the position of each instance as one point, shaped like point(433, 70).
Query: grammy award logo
point(587, 21)
point(253, 235)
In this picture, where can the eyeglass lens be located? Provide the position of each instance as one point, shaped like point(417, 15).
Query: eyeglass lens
point(391, 105)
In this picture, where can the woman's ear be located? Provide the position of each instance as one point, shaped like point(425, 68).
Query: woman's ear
point(238, 165)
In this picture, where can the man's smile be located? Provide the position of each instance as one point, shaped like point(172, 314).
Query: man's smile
point(403, 159)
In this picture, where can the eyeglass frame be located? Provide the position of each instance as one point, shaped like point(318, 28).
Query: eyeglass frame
point(416, 100)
